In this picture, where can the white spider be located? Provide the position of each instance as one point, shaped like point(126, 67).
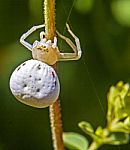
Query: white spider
point(47, 51)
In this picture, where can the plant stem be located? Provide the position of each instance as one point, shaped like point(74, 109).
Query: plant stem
point(56, 126)
point(55, 109)
point(94, 146)
point(49, 15)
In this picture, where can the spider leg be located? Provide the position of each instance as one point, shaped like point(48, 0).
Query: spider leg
point(25, 35)
point(76, 48)
point(42, 35)
point(54, 45)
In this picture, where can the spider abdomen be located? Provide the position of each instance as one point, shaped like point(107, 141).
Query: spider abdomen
point(35, 83)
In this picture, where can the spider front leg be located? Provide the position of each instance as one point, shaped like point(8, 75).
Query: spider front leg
point(76, 48)
point(25, 35)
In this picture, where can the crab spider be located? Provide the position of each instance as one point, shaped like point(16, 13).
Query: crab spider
point(47, 50)
point(35, 82)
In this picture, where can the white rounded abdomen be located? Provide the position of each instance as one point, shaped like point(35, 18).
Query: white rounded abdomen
point(35, 83)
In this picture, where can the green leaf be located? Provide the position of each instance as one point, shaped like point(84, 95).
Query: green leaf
point(75, 141)
point(86, 127)
point(116, 101)
point(127, 103)
point(127, 122)
point(99, 131)
point(117, 138)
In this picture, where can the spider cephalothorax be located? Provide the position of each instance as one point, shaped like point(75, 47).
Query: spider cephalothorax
point(46, 51)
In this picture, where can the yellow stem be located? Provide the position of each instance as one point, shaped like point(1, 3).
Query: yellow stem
point(56, 126)
point(55, 109)
point(49, 15)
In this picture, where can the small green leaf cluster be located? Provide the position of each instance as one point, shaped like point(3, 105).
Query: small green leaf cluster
point(117, 129)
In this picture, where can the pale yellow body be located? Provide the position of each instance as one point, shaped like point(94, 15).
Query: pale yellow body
point(46, 54)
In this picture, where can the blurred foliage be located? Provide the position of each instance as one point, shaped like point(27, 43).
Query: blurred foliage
point(105, 38)
point(84, 6)
point(121, 11)
point(117, 129)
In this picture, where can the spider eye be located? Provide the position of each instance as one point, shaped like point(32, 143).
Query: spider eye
point(39, 47)
point(43, 47)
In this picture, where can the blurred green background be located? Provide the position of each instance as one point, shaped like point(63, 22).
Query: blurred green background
point(104, 31)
